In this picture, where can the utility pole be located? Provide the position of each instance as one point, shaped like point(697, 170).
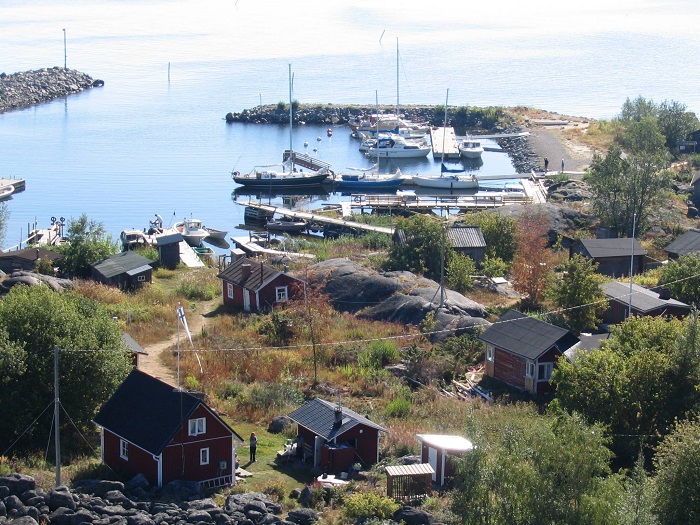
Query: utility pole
point(634, 228)
point(65, 56)
point(56, 412)
point(442, 267)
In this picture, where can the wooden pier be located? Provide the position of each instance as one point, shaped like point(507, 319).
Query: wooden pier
point(444, 141)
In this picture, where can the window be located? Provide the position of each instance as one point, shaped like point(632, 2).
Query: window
point(203, 456)
point(544, 371)
point(530, 369)
point(229, 290)
point(141, 278)
point(281, 292)
point(489, 353)
point(124, 449)
point(197, 426)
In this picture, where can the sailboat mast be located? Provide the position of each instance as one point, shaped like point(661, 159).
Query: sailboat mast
point(291, 151)
point(397, 77)
point(444, 130)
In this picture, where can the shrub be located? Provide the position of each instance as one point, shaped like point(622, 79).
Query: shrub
point(378, 354)
point(494, 267)
point(369, 505)
point(399, 407)
point(199, 285)
point(459, 273)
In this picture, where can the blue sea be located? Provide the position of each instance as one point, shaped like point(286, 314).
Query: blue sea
point(154, 139)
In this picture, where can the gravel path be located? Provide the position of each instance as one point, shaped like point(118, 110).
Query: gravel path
point(550, 141)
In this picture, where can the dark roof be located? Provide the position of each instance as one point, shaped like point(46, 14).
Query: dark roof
point(260, 274)
point(466, 237)
point(601, 248)
point(123, 262)
point(643, 299)
point(31, 254)
point(526, 336)
point(147, 412)
point(687, 243)
point(319, 417)
point(133, 346)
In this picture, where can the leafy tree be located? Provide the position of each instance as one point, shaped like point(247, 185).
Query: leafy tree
point(637, 384)
point(92, 363)
point(4, 215)
point(526, 468)
point(638, 109)
point(682, 278)
point(421, 249)
point(87, 244)
point(607, 177)
point(499, 233)
point(676, 122)
point(636, 505)
point(533, 262)
point(678, 475)
point(579, 294)
point(494, 267)
point(459, 273)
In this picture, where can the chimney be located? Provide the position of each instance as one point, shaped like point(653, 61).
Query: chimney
point(246, 270)
point(338, 416)
point(664, 293)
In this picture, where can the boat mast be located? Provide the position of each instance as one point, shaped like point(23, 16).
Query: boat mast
point(376, 144)
point(444, 132)
point(291, 151)
point(397, 77)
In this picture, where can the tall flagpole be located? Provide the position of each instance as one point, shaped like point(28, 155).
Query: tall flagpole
point(178, 351)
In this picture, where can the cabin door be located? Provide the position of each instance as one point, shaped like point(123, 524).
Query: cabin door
point(432, 459)
point(246, 300)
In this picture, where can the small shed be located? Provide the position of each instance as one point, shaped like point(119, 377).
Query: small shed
point(255, 286)
point(469, 241)
point(685, 244)
point(135, 349)
point(645, 302)
point(168, 245)
point(409, 482)
point(612, 255)
point(26, 259)
point(126, 270)
point(336, 436)
point(439, 450)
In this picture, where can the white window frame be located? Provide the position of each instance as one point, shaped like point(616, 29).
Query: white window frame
point(548, 368)
point(489, 353)
point(124, 449)
point(204, 456)
point(141, 278)
point(229, 290)
point(530, 369)
point(281, 294)
point(197, 426)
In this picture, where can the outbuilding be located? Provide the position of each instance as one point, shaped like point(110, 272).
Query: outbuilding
point(255, 286)
point(645, 302)
point(150, 428)
point(439, 451)
point(614, 256)
point(127, 271)
point(685, 244)
point(469, 241)
point(26, 259)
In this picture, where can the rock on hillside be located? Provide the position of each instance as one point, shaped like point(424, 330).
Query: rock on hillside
point(399, 297)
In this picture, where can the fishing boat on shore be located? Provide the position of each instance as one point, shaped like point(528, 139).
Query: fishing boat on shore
point(192, 231)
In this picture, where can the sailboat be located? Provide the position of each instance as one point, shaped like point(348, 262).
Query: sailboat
point(448, 179)
point(290, 176)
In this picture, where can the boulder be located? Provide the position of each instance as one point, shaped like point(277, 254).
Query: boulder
point(412, 516)
point(24, 520)
point(60, 497)
point(17, 483)
point(279, 424)
point(139, 481)
point(302, 516)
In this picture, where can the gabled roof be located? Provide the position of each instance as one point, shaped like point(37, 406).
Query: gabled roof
point(319, 417)
point(466, 237)
point(260, 274)
point(643, 299)
point(526, 336)
point(687, 243)
point(148, 413)
point(602, 248)
point(124, 262)
point(133, 346)
point(31, 254)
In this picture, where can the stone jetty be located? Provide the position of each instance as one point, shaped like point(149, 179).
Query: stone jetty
point(523, 158)
point(20, 90)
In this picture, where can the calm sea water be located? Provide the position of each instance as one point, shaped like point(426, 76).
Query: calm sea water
point(153, 140)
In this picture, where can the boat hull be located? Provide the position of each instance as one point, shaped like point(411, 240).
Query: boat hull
point(447, 183)
point(280, 181)
point(369, 184)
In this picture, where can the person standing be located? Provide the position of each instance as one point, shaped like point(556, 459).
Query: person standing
point(546, 164)
point(562, 165)
point(253, 442)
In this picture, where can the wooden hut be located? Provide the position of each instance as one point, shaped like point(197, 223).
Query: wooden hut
point(409, 482)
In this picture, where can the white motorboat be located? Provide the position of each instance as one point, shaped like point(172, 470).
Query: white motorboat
point(192, 231)
point(447, 182)
point(470, 149)
point(396, 146)
point(214, 233)
point(6, 192)
point(135, 238)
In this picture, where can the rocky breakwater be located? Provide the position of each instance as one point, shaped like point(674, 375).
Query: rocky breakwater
point(101, 502)
point(27, 88)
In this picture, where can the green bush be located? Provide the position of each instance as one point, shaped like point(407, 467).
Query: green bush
point(200, 286)
point(399, 407)
point(369, 505)
point(378, 354)
point(262, 397)
point(459, 273)
point(494, 267)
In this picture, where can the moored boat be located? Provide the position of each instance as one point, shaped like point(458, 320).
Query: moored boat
point(192, 231)
point(214, 233)
point(6, 192)
point(286, 225)
point(396, 146)
point(370, 181)
point(470, 149)
point(266, 178)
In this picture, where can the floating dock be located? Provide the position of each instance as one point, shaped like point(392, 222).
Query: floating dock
point(444, 141)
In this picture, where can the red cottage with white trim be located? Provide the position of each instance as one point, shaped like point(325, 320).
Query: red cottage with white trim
point(149, 427)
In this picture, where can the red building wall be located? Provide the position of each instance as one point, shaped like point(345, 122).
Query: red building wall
point(267, 296)
point(509, 368)
point(139, 460)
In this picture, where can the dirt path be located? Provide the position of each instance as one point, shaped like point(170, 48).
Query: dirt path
point(152, 364)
